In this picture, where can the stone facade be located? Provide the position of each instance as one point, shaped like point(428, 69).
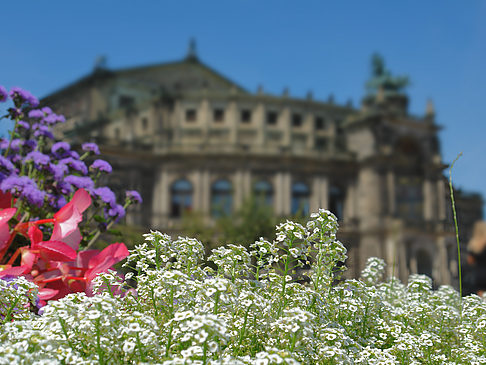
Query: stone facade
point(190, 139)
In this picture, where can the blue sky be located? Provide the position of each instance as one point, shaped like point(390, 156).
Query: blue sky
point(323, 46)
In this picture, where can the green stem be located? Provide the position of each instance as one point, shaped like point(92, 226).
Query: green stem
point(455, 226)
point(12, 133)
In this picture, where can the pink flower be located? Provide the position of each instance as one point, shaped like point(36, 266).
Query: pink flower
point(67, 218)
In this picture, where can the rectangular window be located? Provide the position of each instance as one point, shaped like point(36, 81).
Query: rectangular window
point(246, 116)
point(271, 118)
point(125, 101)
point(191, 115)
point(296, 120)
point(321, 144)
point(144, 123)
point(218, 115)
point(319, 123)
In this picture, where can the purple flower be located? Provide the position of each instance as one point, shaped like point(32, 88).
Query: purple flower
point(30, 144)
point(52, 119)
point(24, 187)
point(3, 94)
point(74, 155)
point(106, 195)
point(133, 196)
point(23, 124)
point(46, 110)
point(101, 165)
point(91, 147)
point(39, 158)
point(80, 182)
point(58, 170)
point(64, 187)
point(42, 130)
point(21, 96)
point(61, 201)
point(33, 195)
point(6, 164)
point(117, 211)
point(63, 146)
point(76, 165)
point(36, 114)
point(15, 183)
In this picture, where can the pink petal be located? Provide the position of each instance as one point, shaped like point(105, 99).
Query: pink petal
point(72, 239)
point(81, 200)
point(35, 236)
point(28, 257)
point(14, 271)
point(4, 236)
point(6, 214)
point(66, 221)
point(56, 251)
point(5, 200)
point(106, 259)
point(47, 293)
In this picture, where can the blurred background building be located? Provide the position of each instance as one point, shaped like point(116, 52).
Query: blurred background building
point(190, 139)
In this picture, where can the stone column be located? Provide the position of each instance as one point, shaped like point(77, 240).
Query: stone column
point(287, 193)
point(197, 191)
point(390, 183)
point(161, 199)
point(428, 200)
point(232, 118)
point(441, 200)
point(238, 189)
point(205, 193)
point(324, 192)
point(320, 194)
point(279, 193)
point(315, 195)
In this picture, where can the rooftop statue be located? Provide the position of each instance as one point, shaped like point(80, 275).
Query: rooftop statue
point(382, 79)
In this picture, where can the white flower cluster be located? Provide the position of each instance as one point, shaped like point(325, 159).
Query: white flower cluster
point(252, 309)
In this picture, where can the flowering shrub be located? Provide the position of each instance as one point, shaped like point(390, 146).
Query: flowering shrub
point(45, 187)
point(252, 308)
point(42, 174)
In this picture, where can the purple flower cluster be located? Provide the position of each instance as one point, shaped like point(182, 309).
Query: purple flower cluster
point(134, 196)
point(22, 97)
point(3, 94)
point(101, 165)
point(91, 147)
point(35, 159)
point(24, 187)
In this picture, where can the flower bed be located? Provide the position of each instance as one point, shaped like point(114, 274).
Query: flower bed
point(177, 306)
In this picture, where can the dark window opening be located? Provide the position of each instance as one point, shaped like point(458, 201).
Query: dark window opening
point(322, 144)
point(271, 118)
point(181, 198)
point(191, 115)
point(336, 202)
point(117, 133)
point(218, 115)
point(144, 123)
point(263, 192)
point(221, 198)
point(319, 123)
point(246, 116)
point(296, 120)
point(300, 199)
point(126, 101)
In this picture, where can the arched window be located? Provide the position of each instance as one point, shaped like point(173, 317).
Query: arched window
point(336, 201)
point(221, 198)
point(424, 263)
point(409, 197)
point(181, 198)
point(263, 192)
point(300, 198)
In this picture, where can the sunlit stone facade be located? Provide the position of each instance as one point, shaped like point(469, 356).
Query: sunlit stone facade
point(190, 139)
